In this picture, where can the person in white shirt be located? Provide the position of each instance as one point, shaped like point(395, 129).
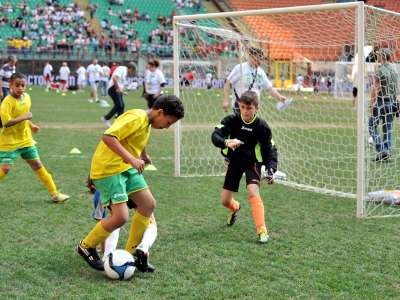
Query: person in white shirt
point(209, 77)
point(93, 73)
point(104, 78)
point(48, 68)
point(300, 83)
point(154, 81)
point(253, 79)
point(81, 73)
point(64, 76)
point(116, 85)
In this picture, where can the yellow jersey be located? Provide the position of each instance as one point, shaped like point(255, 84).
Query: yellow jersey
point(132, 129)
point(18, 135)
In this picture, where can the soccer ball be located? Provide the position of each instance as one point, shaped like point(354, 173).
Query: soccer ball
point(119, 264)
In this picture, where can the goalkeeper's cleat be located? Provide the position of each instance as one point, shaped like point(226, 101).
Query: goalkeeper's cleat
point(232, 217)
point(263, 236)
point(142, 261)
point(91, 256)
point(59, 198)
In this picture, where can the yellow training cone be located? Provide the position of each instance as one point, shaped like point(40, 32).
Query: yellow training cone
point(150, 168)
point(75, 151)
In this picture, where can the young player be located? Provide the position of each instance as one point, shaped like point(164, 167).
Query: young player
point(64, 76)
point(81, 74)
point(16, 136)
point(246, 141)
point(6, 72)
point(93, 74)
point(253, 78)
point(48, 68)
point(116, 172)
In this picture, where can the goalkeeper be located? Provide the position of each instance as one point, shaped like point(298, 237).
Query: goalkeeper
point(246, 141)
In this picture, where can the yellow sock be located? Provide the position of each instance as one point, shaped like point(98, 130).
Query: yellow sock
point(96, 236)
point(47, 180)
point(2, 174)
point(138, 226)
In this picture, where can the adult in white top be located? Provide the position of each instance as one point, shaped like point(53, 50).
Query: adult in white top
point(104, 78)
point(93, 73)
point(48, 68)
point(154, 81)
point(81, 73)
point(253, 79)
point(117, 84)
point(64, 75)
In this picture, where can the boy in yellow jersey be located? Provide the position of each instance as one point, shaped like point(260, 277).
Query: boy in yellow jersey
point(16, 135)
point(116, 171)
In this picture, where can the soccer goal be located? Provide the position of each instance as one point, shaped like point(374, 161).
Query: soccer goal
point(323, 141)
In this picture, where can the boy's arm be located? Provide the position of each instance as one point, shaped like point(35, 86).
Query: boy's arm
point(5, 116)
point(35, 128)
point(227, 87)
point(268, 151)
point(221, 132)
point(113, 143)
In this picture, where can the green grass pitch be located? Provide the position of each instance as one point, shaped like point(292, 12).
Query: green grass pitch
point(318, 249)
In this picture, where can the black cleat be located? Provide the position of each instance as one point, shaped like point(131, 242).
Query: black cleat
point(142, 261)
point(382, 156)
point(232, 217)
point(91, 257)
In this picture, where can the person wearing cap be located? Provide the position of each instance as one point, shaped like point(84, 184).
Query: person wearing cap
point(6, 72)
point(253, 79)
point(116, 88)
point(383, 105)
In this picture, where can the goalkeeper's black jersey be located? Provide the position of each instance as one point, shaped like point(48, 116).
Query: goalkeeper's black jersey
point(256, 136)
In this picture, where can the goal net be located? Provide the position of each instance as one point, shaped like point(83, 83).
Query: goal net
point(324, 141)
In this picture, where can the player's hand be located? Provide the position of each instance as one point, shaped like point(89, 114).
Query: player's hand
point(35, 128)
point(138, 164)
point(27, 116)
point(233, 143)
point(225, 106)
point(146, 158)
point(1, 95)
point(267, 174)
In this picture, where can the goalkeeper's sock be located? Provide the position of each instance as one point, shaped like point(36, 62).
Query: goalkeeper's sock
point(47, 180)
point(96, 236)
point(233, 205)
point(138, 226)
point(2, 174)
point(257, 207)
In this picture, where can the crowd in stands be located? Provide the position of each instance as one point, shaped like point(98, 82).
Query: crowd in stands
point(63, 29)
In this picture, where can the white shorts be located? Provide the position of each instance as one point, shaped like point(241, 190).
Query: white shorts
point(81, 81)
point(93, 85)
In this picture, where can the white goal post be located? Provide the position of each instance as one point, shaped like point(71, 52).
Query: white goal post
point(323, 141)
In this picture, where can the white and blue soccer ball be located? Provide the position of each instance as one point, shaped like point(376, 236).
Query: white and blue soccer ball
point(119, 264)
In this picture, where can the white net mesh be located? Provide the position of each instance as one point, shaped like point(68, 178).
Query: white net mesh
point(307, 56)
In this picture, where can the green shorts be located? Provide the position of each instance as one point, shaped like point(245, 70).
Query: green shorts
point(115, 189)
point(27, 153)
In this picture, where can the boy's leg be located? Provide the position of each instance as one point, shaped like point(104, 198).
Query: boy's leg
point(110, 244)
point(231, 184)
point(141, 219)
point(142, 250)
point(43, 175)
point(230, 203)
point(4, 169)
point(100, 232)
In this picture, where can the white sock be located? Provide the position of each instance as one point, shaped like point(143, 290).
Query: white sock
point(149, 238)
point(111, 242)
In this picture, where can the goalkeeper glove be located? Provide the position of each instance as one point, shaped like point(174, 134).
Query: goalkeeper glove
point(267, 174)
